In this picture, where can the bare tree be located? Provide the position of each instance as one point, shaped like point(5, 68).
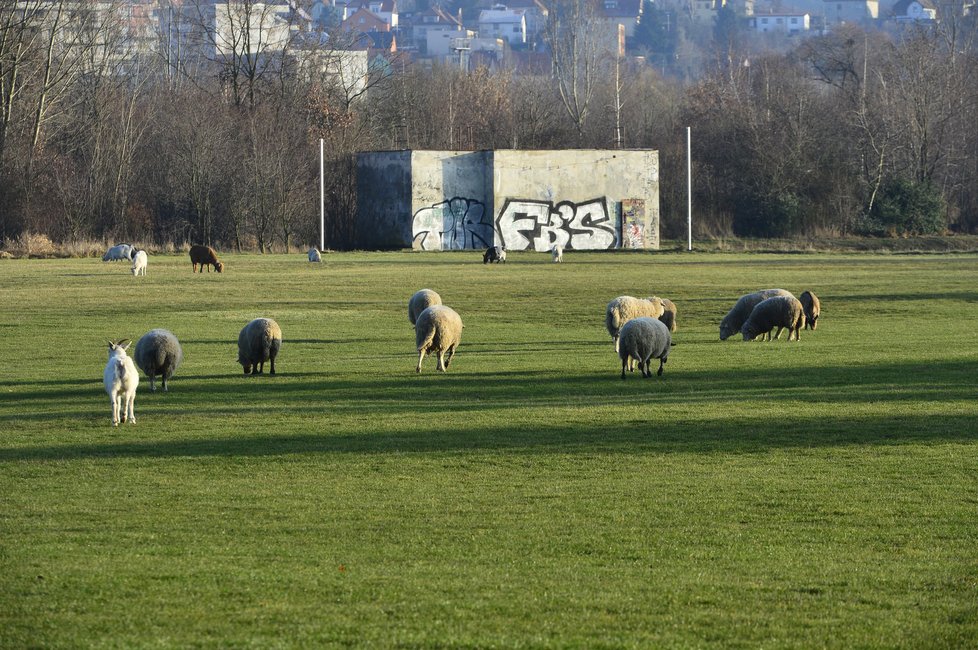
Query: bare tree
point(572, 33)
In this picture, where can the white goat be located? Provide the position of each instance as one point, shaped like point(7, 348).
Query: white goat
point(558, 253)
point(139, 261)
point(121, 379)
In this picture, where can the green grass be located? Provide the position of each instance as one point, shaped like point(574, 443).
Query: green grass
point(814, 494)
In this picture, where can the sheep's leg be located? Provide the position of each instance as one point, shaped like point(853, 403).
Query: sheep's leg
point(644, 367)
point(420, 359)
point(164, 383)
point(152, 383)
point(778, 335)
point(441, 360)
point(271, 360)
point(451, 354)
point(615, 339)
point(662, 363)
point(624, 364)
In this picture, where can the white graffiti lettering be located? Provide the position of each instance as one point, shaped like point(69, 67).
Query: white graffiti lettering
point(539, 225)
point(455, 224)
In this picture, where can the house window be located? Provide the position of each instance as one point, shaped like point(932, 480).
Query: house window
point(764, 21)
point(794, 21)
point(779, 21)
point(516, 29)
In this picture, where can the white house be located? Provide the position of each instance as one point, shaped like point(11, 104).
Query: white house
point(507, 24)
point(785, 22)
point(857, 12)
point(913, 11)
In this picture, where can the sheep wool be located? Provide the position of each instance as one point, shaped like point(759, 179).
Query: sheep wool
point(558, 253)
point(259, 341)
point(314, 255)
point(781, 312)
point(438, 331)
point(158, 352)
point(738, 314)
point(642, 339)
point(420, 301)
point(121, 380)
point(118, 252)
point(813, 308)
point(624, 308)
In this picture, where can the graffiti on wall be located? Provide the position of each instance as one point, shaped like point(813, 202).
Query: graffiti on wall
point(539, 225)
point(455, 224)
point(633, 223)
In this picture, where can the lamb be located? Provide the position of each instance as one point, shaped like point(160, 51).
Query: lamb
point(158, 352)
point(558, 253)
point(205, 256)
point(669, 314)
point(494, 254)
point(624, 308)
point(118, 252)
point(258, 342)
point(314, 255)
point(812, 306)
point(438, 330)
point(642, 339)
point(780, 312)
point(419, 302)
point(735, 318)
point(121, 379)
point(139, 261)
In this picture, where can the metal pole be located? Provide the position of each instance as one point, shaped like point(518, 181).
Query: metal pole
point(322, 198)
point(689, 187)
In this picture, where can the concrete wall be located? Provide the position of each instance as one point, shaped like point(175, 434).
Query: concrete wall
point(523, 200)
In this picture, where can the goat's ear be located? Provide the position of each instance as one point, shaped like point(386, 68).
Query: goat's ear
point(124, 343)
point(111, 345)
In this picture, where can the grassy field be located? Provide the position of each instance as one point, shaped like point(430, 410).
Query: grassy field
point(822, 493)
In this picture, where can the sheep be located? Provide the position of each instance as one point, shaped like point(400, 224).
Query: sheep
point(812, 306)
point(780, 312)
point(739, 313)
point(121, 379)
point(438, 330)
point(624, 308)
point(118, 252)
point(258, 342)
point(419, 302)
point(494, 254)
point(139, 262)
point(558, 253)
point(205, 256)
point(314, 255)
point(669, 314)
point(641, 339)
point(158, 352)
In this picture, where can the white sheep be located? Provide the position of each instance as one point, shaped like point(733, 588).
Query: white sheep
point(738, 314)
point(121, 379)
point(118, 252)
point(642, 339)
point(779, 311)
point(259, 341)
point(558, 253)
point(624, 308)
point(139, 262)
point(420, 301)
point(438, 330)
point(314, 255)
point(813, 309)
point(158, 352)
point(669, 313)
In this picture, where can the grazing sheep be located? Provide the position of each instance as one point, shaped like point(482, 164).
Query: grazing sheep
point(735, 318)
point(314, 255)
point(118, 252)
point(258, 342)
point(812, 306)
point(158, 352)
point(205, 256)
point(494, 254)
point(419, 302)
point(624, 308)
point(780, 312)
point(438, 330)
point(644, 338)
point(669, 314)
point(139, 262)
point(558, 253)
point(121, 379)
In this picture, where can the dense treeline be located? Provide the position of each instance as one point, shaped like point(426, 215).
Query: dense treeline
point(852, 132)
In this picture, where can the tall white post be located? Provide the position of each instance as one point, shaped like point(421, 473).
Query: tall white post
point(322, 198)
point(689, 187)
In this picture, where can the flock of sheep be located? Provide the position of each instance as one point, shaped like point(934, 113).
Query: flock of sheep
point(641, 329)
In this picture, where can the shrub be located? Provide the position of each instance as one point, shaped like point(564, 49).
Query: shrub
point(905, 208)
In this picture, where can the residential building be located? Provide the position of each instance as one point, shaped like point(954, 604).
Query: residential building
point(858, 12)
point(785, 22)
point(504, 23)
